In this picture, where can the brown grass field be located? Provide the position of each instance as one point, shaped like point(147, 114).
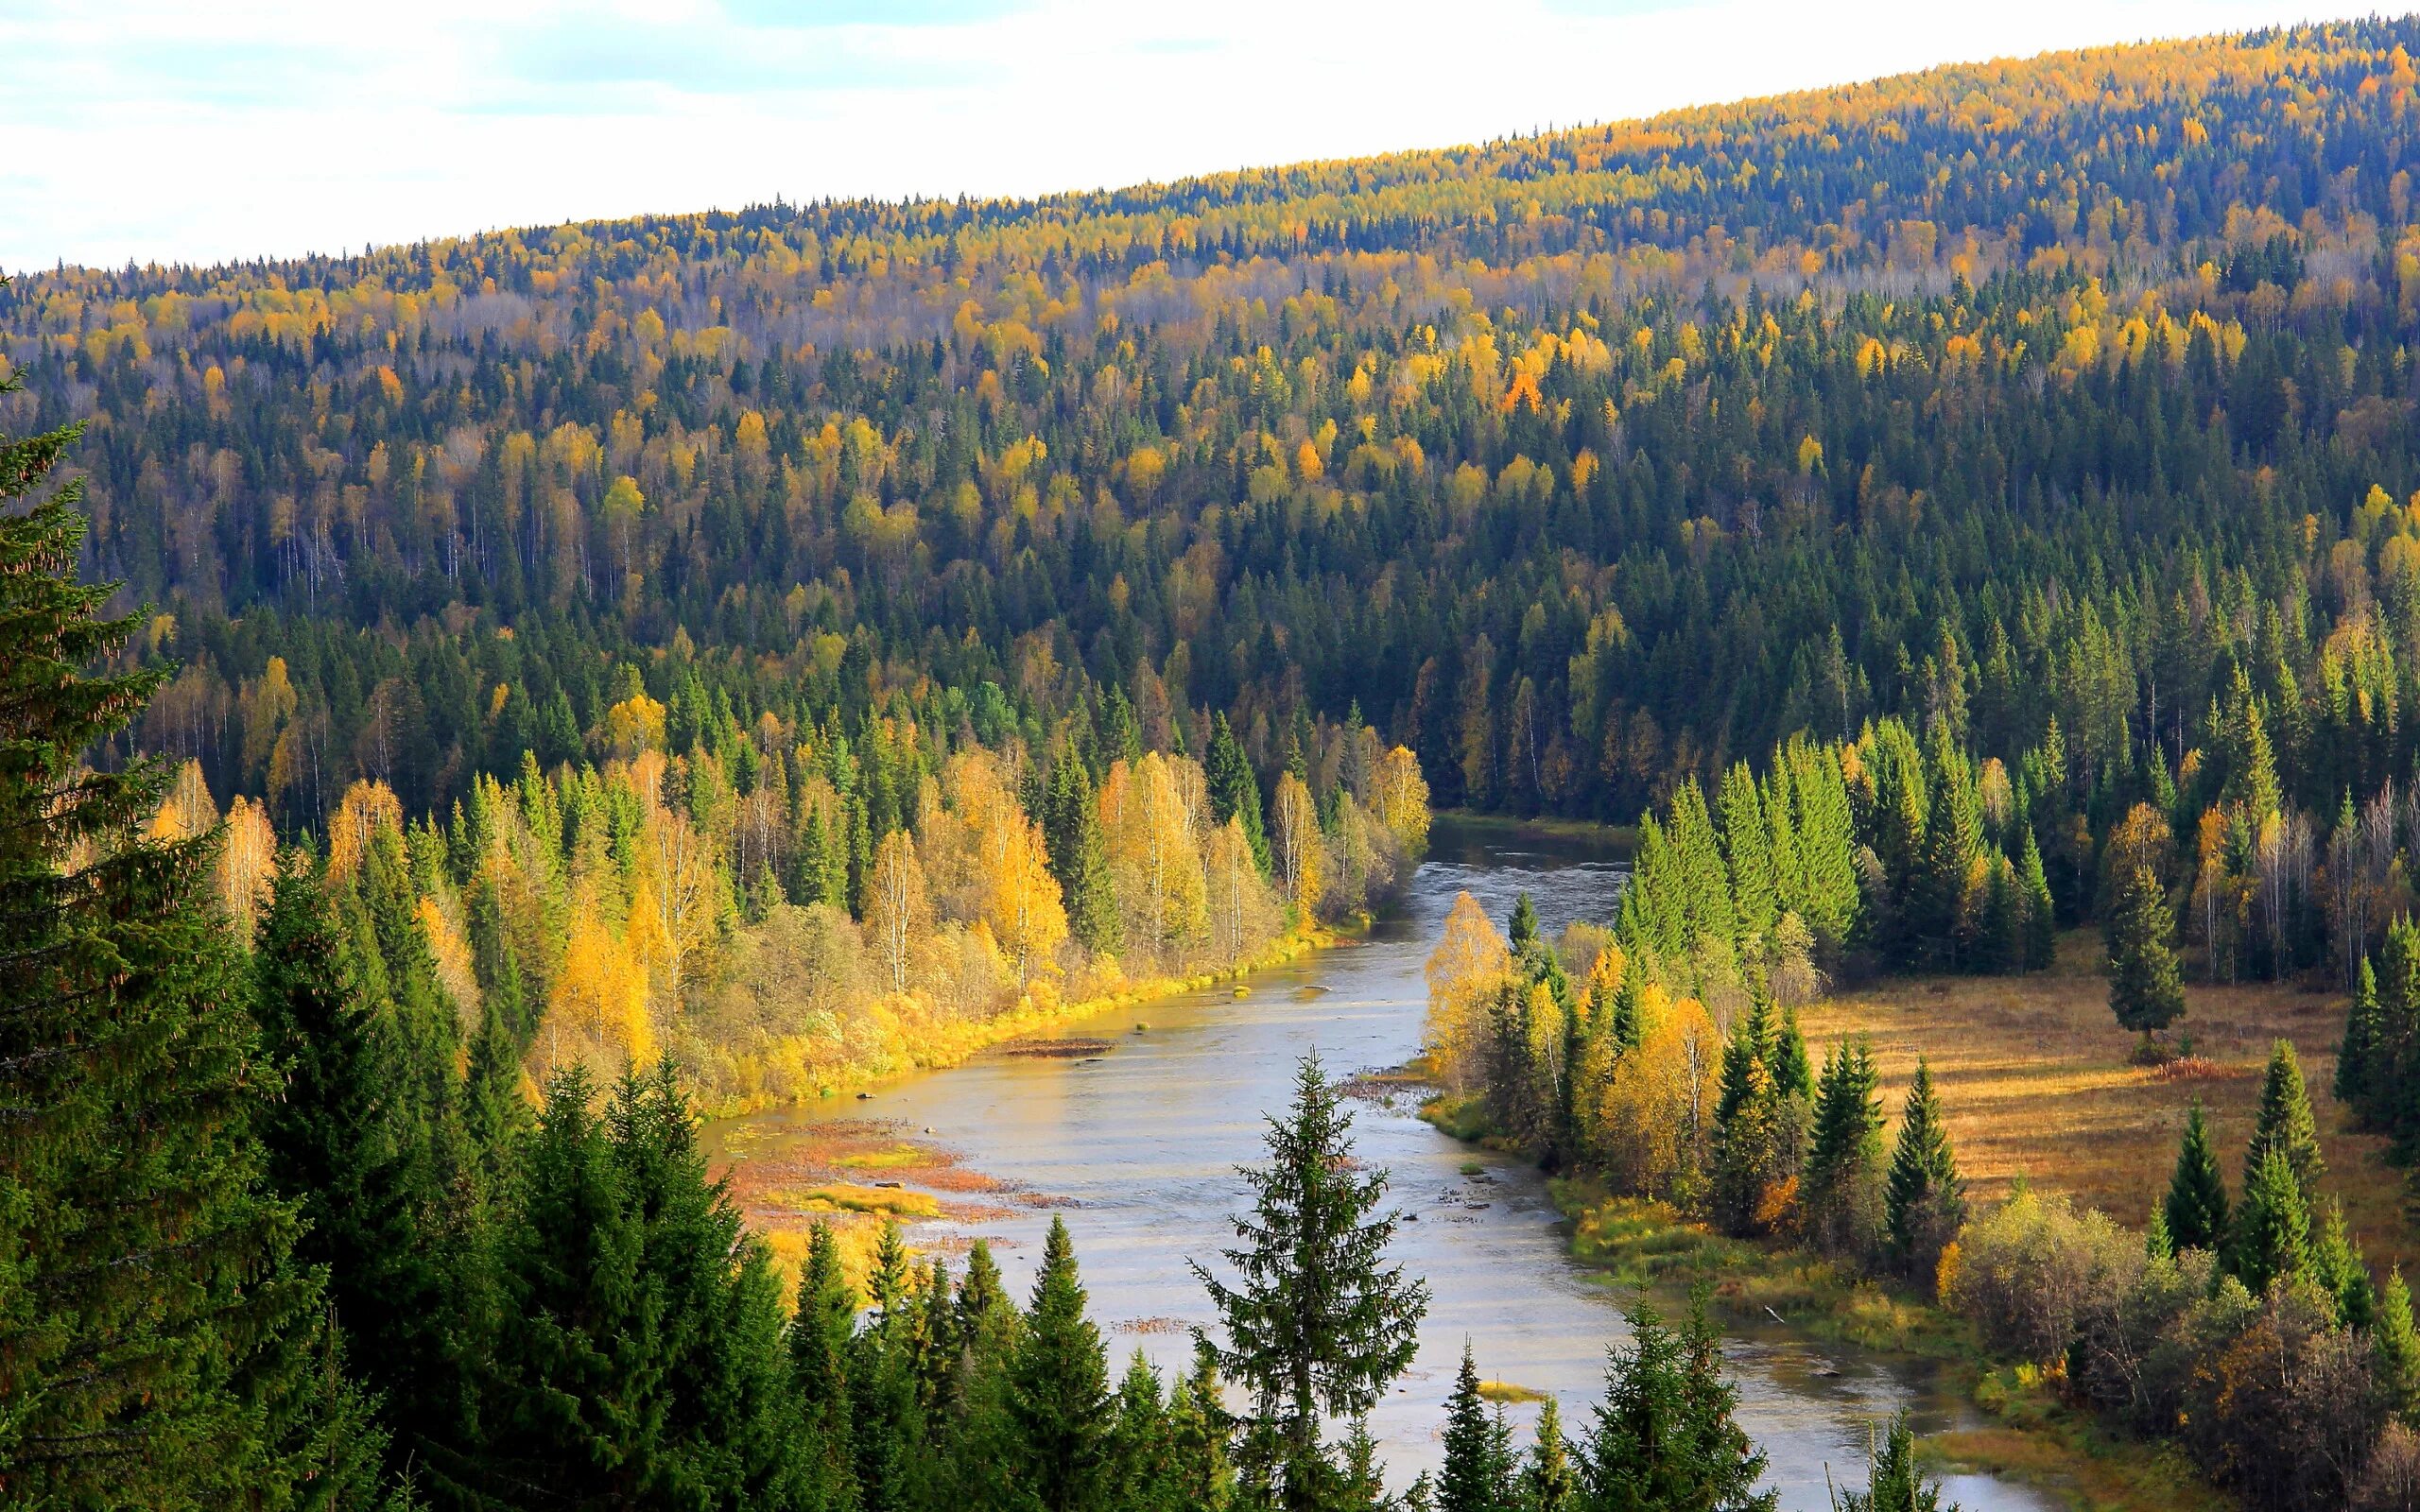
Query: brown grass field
point(2033, 1075)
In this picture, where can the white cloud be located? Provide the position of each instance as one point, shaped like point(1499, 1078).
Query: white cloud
point(158, 129)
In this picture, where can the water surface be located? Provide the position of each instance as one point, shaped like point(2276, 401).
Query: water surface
point(1140, 1143)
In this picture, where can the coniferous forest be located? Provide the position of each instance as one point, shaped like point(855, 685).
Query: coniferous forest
point(471, 708)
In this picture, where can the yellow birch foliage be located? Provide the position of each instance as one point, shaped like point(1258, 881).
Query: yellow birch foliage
point(1149, 821)
point(898, 909)
point(1657, 1111)
point(247, 864)
point(368, 807)
point(188, 811)
point(599, 997)
point(1294, 833)
point(1470, 963)
point(1399, 798)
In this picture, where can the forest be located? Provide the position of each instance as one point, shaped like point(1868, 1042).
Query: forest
point(472, 706)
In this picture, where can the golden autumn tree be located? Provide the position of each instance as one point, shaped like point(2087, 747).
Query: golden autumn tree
point(1294, 835)
point(898, 909)
point(245, 865)
point(1399, 797)
point(1149, 814)
point(1468, 967)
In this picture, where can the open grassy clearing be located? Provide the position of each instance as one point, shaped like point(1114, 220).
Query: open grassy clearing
point(2034, 1075)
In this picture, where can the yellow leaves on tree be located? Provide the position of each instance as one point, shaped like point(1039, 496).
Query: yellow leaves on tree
point(1657, 1113)
point(898, 909)
point(1470, 965)
point(988, 865)
point(246, 866)
point(1399, 797)
point(1294, 834)
point(682, 893)
point(635, 725)
point(368, 807)
point(188, 811)
point(1149, 817)
point(600, 995)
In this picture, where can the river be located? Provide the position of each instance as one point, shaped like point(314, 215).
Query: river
point(1140, 1144)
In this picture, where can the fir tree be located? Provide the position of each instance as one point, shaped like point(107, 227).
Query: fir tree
point(1894, 1484)
point(152, 1321)
point(1521, 931)
point(1234, 792)
point(1137, 1470)
point(1664, 1436)
point(1058, 1398)
point(2394, 1350)
point(2357, 1057)
point(1317, 1323)
point(2339, 1270)
point(2041, 917)
point(820, 1328)
point(2145, 991)
point(1924, 1200)
point(2195, 1213)
point(2285, 1122)
point(2272, 1231)
point(1549, 1483)
point(1199, 1431)
point(1842, 1196)
point(1470, 1481)
point(1078, 855)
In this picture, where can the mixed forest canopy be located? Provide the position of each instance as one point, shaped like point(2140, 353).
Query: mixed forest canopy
point(584, 672)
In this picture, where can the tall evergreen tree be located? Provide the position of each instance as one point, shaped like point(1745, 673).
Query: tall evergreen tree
point(1924, 1200)
point(1317, 1324)
point(1549, 1483)
point(2271, 1234)
point(2284, 1122)
point(1472, 1479)
point(1841, 1197)
point(821, 1326)
point(2041, 915)
point(1893, 1482)
point(2394, 1350)
point(153, 1323)
point(2145, 991)
point(1664, 1436)
point(1078, 855)
point(2357, 1057)
point(2196, 1210)
point(1234, 792)
point(1058, 1398)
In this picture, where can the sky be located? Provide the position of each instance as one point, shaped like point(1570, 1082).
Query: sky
point(164, 130)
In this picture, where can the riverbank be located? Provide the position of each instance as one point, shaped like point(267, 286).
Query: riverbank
point(1501, 828)
point(1039, 1013)
point(2033, 1438)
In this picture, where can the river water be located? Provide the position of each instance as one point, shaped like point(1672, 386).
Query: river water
point(1138, 1145)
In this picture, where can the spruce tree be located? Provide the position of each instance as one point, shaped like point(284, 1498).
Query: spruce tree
point(1549, 1483)
point(2356, 1058)
point(2340, 1272)
point(1521, 931)
point(2041, 916)
point(1078, 856)
point(1234, 792)
point(2145, 991)
point(2271, 1234)
point(2285, 1120)
point(1664, 1436)
point(1200, 1471)
point(1893, 1482)
point(1137, 1473)
point(1729, 1464)
point(1058, 1397)
point(820, 1329)
point(2195, 1213)
point(151, 1319)
point(1842, 1196)
point(2394, 1350)
point(1317, 1324)
point(1924, 1201)
point(1470, 1481)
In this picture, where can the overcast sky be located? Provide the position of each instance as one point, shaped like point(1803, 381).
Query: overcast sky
point(171, 131)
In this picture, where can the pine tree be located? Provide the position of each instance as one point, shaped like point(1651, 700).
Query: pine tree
point(820, 1328)
point(1664, 1436)
point(1842, 1196)
point(1079, 854)
point(2146, 992)
point(152, 1321)
point(2041, 917)
point(1058, 1399)
point(2195, 1213)
point(2285, 1122)
point(1234, 792)
point(2394, 1350)
point(1137, 1470)
point(1317, 1324)
point(1924, 1201)
point(2356, 1068)
point(2338, 1268)
point(1521, 931)
point(1793, 1075)
point(1199, 1431)
point(1361, 1486)
point(1894, 1484)
point(1549, 1483)
point(2271, 1234)
point(1470, 1481)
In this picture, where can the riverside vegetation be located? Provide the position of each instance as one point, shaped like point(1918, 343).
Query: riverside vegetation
point(798, 643)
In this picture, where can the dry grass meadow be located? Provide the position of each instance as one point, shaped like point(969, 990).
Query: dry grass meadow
point(2033, 1075)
